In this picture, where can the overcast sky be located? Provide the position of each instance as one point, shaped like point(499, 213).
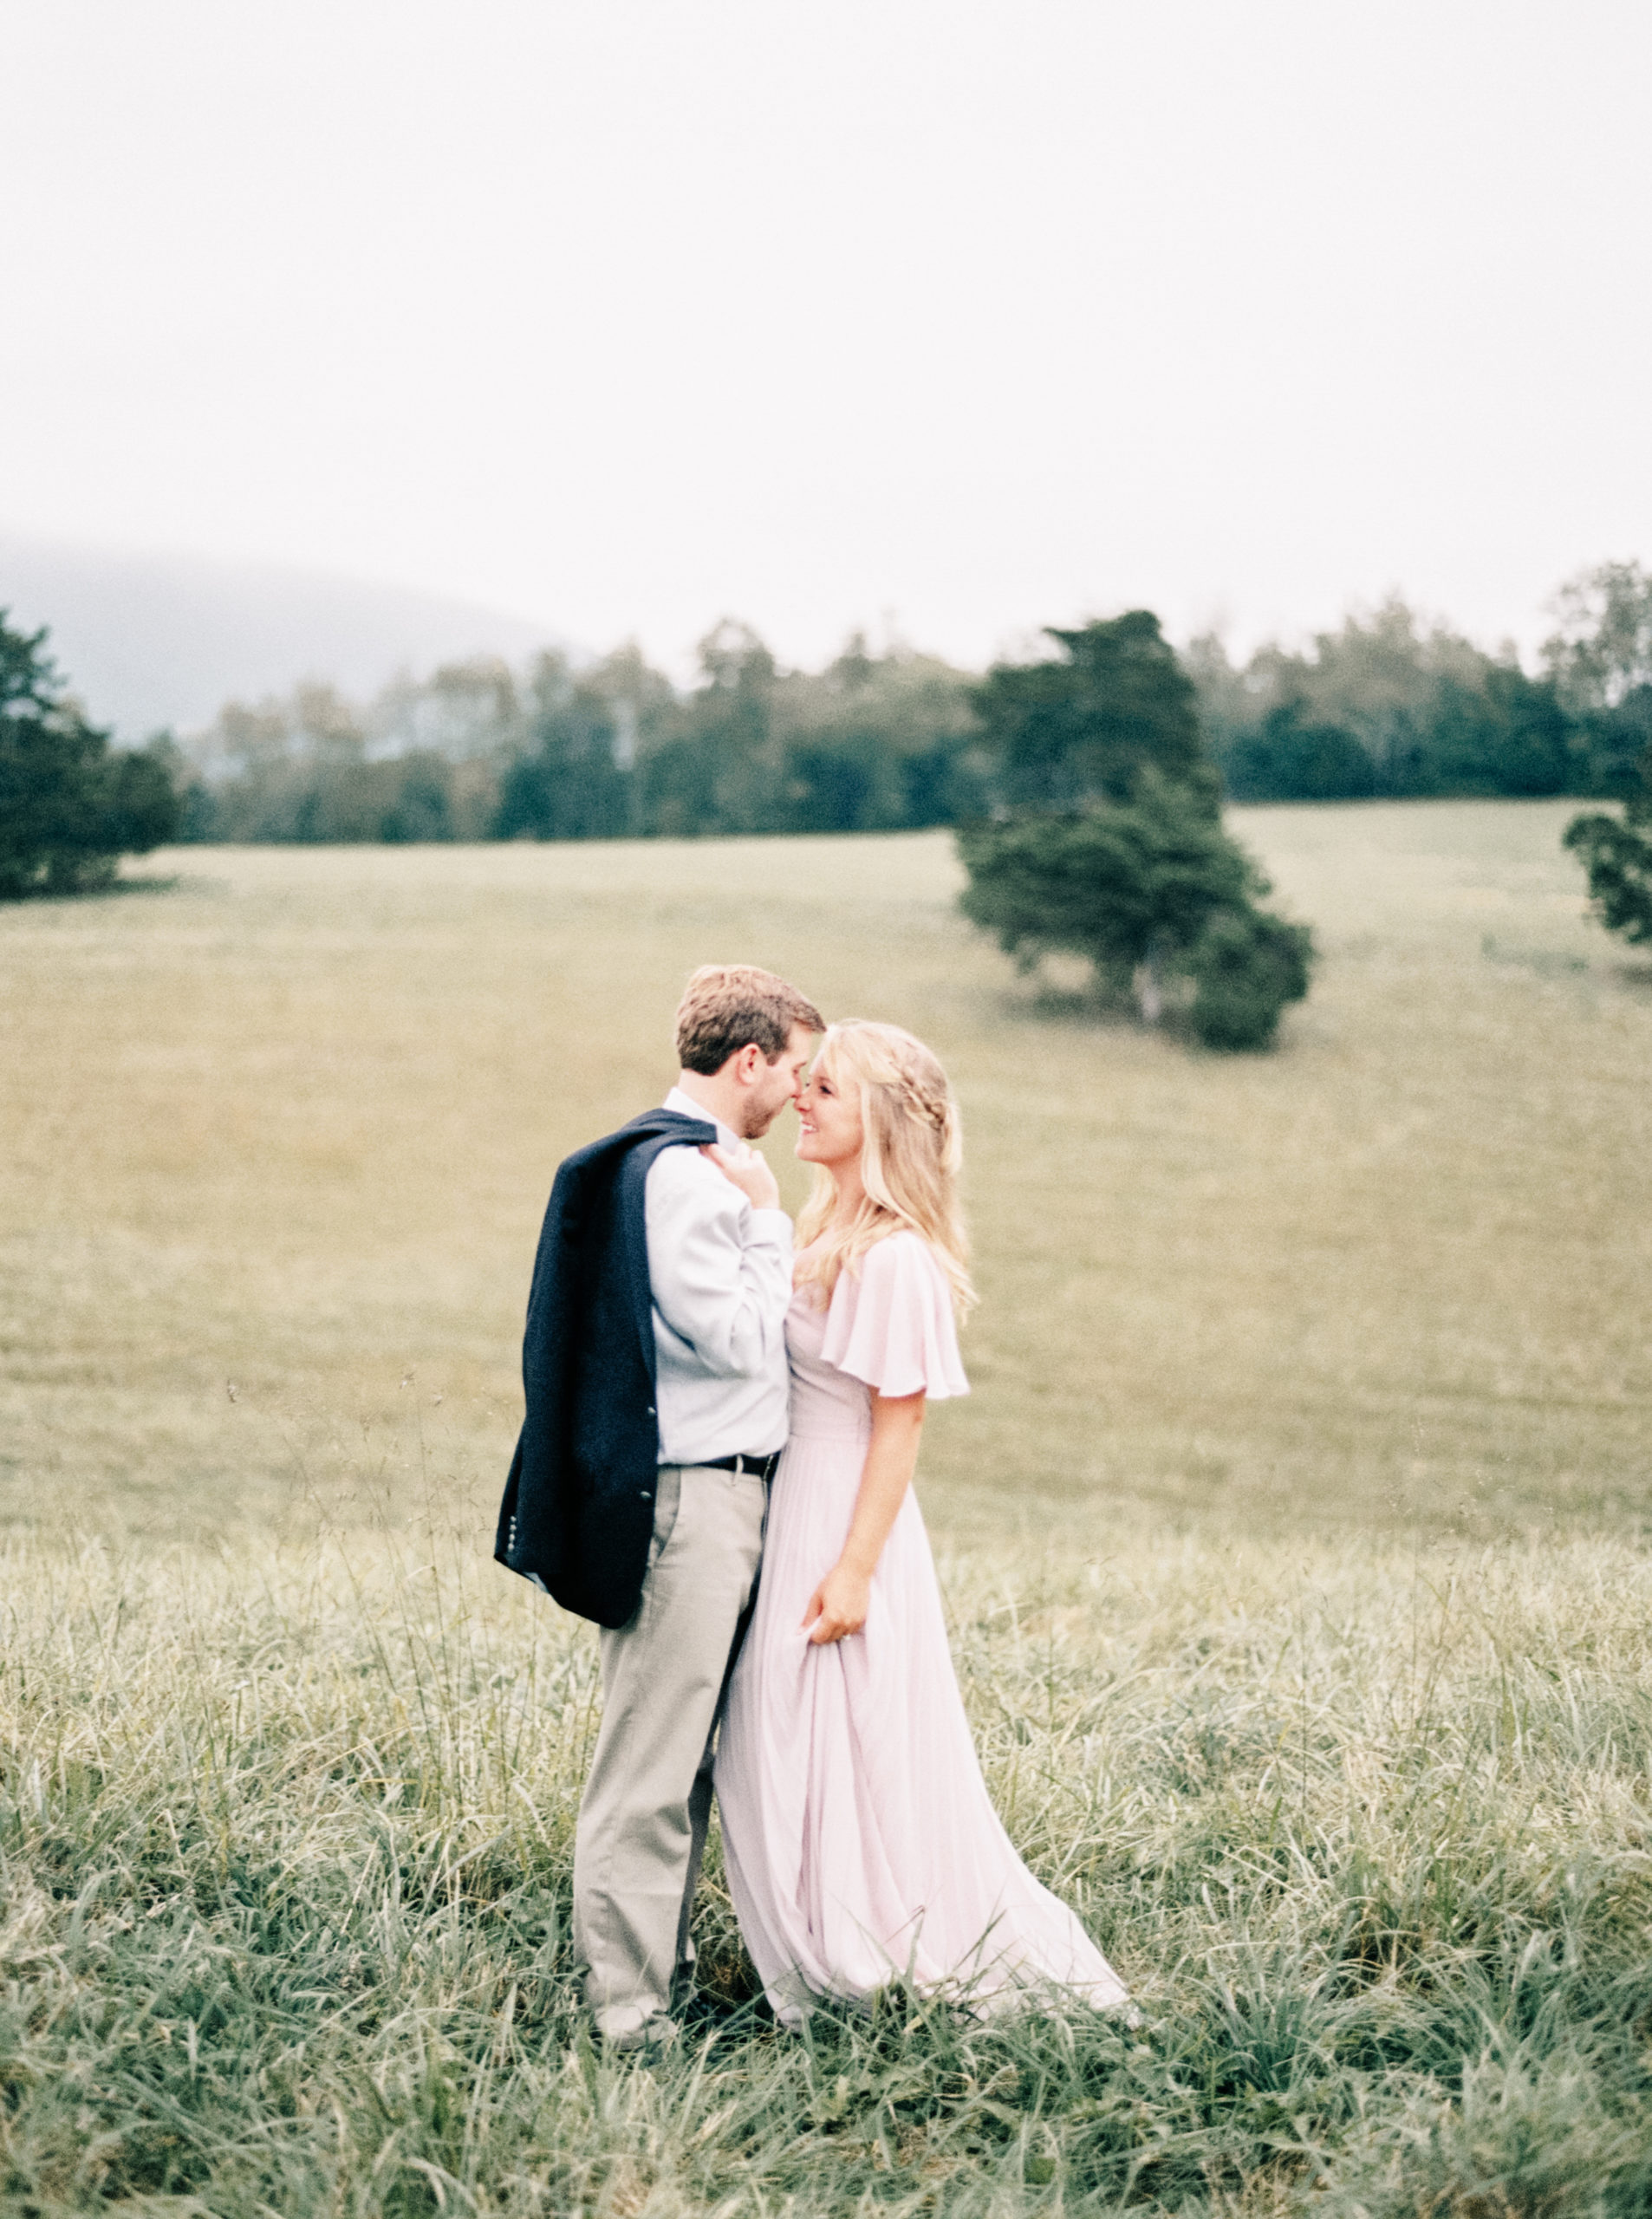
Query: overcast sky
point(626, 313)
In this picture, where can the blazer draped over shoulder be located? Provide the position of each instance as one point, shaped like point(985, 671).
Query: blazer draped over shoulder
point(578, 1516)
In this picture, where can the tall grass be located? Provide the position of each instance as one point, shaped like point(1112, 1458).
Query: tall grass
point(285, 1848)
point(1290, 1538)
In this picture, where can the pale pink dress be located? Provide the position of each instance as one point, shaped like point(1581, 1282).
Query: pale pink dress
point(861, 1842)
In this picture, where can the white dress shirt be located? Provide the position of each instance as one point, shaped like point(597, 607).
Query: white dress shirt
point(720, 1274)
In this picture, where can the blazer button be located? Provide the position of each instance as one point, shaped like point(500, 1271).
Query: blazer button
point(653, 1412)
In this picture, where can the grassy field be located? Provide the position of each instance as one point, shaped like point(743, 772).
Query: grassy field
point(1294, 1537)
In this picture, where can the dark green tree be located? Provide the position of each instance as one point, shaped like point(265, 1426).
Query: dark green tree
point(1107, 841)
point(1614, 742)
point(719, 769)
point(1617, 851)
point(1386, 707)
point(1245, 965)
point(69, 806)
point(571, 784)
point(875, 743)
point(1082, 726)
point(1122, 884)
point(419, 806)
point(1505, 735)
point(1601, 661)
point(1290, 757)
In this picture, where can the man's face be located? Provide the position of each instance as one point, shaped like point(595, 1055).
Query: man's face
point(777, 1083)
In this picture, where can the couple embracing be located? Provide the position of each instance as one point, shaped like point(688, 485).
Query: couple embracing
point(702, 1400)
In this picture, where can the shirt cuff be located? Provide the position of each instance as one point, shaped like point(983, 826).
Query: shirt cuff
point(771, 1226)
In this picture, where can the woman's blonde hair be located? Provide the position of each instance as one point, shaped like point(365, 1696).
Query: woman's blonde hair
point(912, 1148)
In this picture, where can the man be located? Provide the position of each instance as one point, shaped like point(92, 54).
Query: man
point(654, 1366)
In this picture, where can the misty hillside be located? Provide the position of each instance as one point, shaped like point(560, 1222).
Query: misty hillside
point(157, 641)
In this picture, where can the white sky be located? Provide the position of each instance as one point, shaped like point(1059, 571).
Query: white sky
point(625, 313)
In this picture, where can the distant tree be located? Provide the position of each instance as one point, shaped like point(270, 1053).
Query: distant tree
point(69, 806)
point(1602, 650)
point(1617, 851)
point(718, 768)
point(1226, 698)
point(1613, 742)
point(1108, 840)
point(876, 742)
point(197, 804)
point(1600, 661)
point(1289, 758)
point(1504, 733)
point(1375, 680)
point(420, 762)
point(1386, 707)
point(468, 711)
point(417, 804)
point(570, 784)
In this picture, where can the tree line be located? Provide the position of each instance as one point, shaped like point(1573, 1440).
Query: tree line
point(1086, 783)
point(874, 742)
point(1385, 706)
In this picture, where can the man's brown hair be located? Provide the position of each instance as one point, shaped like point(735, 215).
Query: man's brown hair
point(727, 1004)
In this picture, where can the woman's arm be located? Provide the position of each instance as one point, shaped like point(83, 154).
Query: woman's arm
point(838, 1606)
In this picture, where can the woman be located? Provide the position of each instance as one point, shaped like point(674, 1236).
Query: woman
point(861, 1842)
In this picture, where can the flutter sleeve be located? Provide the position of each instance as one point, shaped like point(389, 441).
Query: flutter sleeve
point(890, 1323)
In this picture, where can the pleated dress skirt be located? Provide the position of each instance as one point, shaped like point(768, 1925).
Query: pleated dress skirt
point(861, 1842)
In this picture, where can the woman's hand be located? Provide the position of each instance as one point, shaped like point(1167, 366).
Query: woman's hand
point(838, 1606)
point(749, 1173)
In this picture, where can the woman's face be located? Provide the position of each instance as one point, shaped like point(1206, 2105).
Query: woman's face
point(829, 1116)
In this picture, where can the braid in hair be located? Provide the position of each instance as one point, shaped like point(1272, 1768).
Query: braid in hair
point(911, 1152)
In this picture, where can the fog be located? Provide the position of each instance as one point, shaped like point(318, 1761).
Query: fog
point(959, 319)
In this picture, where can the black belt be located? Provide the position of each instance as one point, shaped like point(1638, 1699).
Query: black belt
point(761, 1468)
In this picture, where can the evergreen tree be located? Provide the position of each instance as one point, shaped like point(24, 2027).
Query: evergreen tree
point(1084, 726)
point(1108, 843)
point(1617, 852)
point(69, 806)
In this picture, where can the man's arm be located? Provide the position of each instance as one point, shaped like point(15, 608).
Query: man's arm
point(719, 1271)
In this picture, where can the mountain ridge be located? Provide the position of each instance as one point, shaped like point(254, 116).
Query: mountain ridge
point(160, 641)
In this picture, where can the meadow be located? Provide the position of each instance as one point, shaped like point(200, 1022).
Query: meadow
point(1294, 1538)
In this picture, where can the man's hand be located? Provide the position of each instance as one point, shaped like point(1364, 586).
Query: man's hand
point(838, 1606)
point(749, 1173)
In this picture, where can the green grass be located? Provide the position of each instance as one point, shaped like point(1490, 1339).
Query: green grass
point(286, 1849)
point(1293, 1540)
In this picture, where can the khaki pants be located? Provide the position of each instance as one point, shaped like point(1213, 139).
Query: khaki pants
point(646, 1805)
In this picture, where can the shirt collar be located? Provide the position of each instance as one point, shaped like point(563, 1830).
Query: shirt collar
point(686, 1106)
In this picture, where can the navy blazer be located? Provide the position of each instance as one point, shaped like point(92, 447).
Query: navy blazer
point(578, 1516)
